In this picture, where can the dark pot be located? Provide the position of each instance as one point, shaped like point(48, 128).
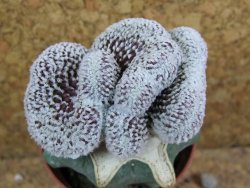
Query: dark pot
point(181, 163)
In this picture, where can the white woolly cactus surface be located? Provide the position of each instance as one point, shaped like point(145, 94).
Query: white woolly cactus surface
point(65, 98)
point(178, 111)
point(151, 59)
point(134, 71)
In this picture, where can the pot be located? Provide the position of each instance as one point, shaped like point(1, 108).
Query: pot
point(181, 163)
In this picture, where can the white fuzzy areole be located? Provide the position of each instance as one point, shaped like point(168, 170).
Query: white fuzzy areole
point(155, 156)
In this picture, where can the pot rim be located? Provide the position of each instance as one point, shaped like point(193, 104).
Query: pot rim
point(188, 164)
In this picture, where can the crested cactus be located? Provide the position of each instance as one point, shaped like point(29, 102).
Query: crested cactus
point(138, 85)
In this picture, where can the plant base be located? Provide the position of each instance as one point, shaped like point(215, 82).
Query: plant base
point(68, 178)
